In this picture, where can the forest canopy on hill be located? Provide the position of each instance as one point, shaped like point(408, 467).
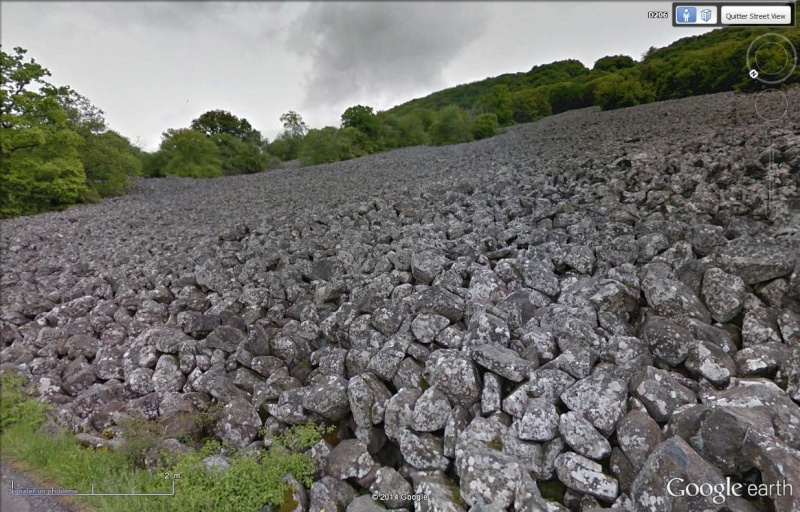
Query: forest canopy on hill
point(58, 151)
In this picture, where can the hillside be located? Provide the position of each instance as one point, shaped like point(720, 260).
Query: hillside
point(708, 63)
point(575, 311)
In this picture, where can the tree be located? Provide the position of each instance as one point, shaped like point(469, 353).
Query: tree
point(361, 118)
point(216, 122)
point(452, 125)
point(618, 91)
point(239, 157)
point(189, 153)
point(41, 168)
point(497, 101)
point(529, 105)
point(485, 125)
point(389, 134)
point(109, 162)
point(319, 147)
point(293, 125)
point(412, 130)
point(613, 63)
point(565, 96)
point(82, 117)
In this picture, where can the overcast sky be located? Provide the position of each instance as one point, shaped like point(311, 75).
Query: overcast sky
point(152, 65)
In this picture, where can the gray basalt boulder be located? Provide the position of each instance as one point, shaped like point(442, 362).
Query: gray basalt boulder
point(672, 298)
point(239, 423)
point(426, 326)
point(661, 484)
point(710, 362)
point(660, 393)
point(367, 397)
point(502, 361)
point(225, 338)
point(540, 422)
point(349, 459)
point(422, 451)
point(388, 482)
point(455, 375)
point(637, 436)
point(723, 294)
point(440, 301)
point(399, 414)
point(668, 341)
point(599, 398)
point(755, 262)
point(431, 411)
point(328, 398)
point(426, 265)
point(585, 476)
point(330, 493)
point(167, 376)
point(488, 478)
point(582, 437)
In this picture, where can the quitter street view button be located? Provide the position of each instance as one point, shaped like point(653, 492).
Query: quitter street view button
point(756, 15)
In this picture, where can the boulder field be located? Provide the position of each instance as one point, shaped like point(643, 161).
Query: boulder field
point(596, 311)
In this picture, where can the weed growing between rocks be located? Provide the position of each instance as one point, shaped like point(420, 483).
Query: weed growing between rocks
point(249, 480)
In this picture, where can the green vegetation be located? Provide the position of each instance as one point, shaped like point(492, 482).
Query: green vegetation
point(485, 125)
point(55, 147)
point(57, 150)
point(452, 125)
point(250, 481)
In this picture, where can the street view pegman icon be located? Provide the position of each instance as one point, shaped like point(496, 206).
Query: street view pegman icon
point(685, 14)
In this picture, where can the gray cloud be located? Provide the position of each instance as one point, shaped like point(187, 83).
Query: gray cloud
point(360, 50)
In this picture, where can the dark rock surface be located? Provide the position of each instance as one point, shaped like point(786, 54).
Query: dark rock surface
point(593, 304)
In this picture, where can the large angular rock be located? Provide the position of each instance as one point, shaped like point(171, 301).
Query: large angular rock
point(455, 375)
point(328, 398)
point(585, 476)
point(723, 294)
point(660, 393)
point(426, 326)
point(486, 328)
point(391, 485)
point(599, 398)
point(399, 413)
point(779, 466)
point(668, 341)
point(425, 265)
point(368, 397)
point(483, 284)
point(239, 423)
point(349, 459)
point(440, 301)
point(540, 277)
point(582, 437)
point(386, 361)
point(755, 262)
point(721, 436)
point(502, 361)
point(540, 422)
point(423, 451)
point(638, 435)
point(226, 338)
point(662, 482)
point(672, 298)
point(443, 494)
point(488, 478)
point(431, 411)
point(710, 362)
